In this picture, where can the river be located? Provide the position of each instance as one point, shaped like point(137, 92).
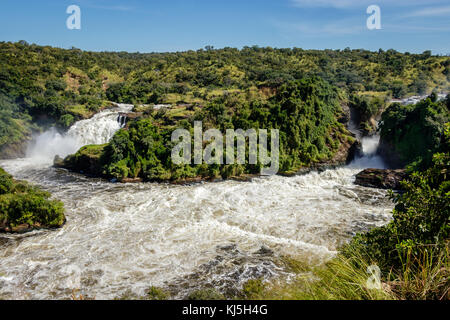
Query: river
point(123, 238)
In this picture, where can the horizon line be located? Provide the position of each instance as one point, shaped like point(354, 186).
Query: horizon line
point(213, 48)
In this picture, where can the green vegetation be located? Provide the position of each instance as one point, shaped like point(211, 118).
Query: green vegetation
point(367, 106)
point(421, 214)
point(155, 293)
point(252, 289)
point(413, 248)
point(305, 111)
point(413, 133)
point(299, 92)
point(206, 294)
point(41, 86)
point(341, 278)
point(86, 159)
point(24, 207)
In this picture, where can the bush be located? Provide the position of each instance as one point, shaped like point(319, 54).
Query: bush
point(206, 294)
point(22, 204)
point(155, 293)
point(6, 182)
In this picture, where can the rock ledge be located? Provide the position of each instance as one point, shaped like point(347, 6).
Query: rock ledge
point(381, 178)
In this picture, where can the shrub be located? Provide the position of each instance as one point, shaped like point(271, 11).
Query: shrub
point(22, 204)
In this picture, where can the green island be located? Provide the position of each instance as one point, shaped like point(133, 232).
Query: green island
point(306, 112)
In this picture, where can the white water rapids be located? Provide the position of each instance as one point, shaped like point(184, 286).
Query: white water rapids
point(124, 238)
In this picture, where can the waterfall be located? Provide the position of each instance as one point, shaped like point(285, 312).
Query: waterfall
point(122, 120)
point(369, 158)
point(97, 130)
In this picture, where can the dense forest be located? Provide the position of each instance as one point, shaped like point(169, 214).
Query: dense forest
point(44, 86)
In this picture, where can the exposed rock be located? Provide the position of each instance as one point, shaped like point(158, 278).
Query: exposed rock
point(348, 151)
point(58, 162)
point(86, 160)
point(131, 115)
point(14, 150)
point(5, 227)
point(21, 228)
point(381, 178)
point(355, 151)
point(131, 180)
point(265, 251)
point(345, 117)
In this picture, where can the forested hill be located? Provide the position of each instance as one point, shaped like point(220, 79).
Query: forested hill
point(42, 86)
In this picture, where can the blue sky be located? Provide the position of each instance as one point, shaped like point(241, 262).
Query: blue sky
point(177, 25)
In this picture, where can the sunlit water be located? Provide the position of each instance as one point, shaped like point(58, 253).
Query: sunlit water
point(370, 159)
point(96, 130)
point(124, 238)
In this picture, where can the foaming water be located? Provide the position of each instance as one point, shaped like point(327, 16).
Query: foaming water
point(97, 130)
point(128, 237)
point(123, 238)
point(370, 158)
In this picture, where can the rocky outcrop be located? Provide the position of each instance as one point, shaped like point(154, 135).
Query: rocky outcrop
point(347, 151)
point(381, 178)
point(86, 160)
point(345, 116)
point(14, 150)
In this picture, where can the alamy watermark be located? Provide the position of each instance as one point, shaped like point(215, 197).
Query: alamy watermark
point(374, 21)
point(213, 153)
point(374, 281)
point(74, 20)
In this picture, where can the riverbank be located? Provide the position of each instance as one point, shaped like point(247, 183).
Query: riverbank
point(227, 235)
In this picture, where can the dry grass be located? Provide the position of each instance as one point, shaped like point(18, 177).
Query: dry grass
point(424, 276)
point(339, 279)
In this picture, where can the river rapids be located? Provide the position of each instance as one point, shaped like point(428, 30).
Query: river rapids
point(121, 239)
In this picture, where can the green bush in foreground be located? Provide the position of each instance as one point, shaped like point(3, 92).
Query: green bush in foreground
point(342, 278)
point(27, 206)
